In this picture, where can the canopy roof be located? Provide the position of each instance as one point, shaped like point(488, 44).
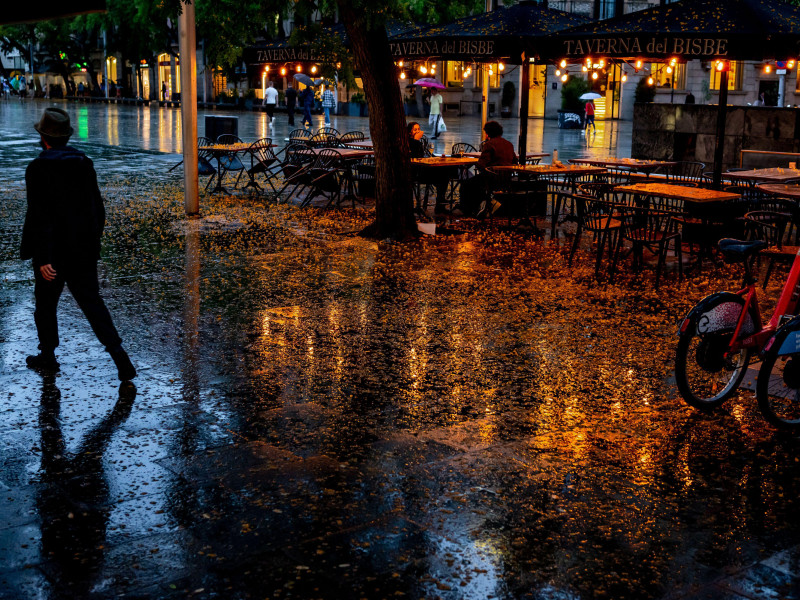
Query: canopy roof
point(689, 29)
point(22, 12)
point(500, 34)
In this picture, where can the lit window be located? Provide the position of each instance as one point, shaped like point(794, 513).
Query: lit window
point(734, 77)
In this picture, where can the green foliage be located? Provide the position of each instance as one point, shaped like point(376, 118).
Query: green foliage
point(358, 98)
point(644, 92)
point(571, 93)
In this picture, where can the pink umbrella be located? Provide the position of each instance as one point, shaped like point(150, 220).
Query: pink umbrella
point(429, 82)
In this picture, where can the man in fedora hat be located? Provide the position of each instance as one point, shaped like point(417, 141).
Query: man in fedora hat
point(62, 230)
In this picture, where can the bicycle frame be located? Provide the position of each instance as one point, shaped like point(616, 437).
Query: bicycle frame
point(787, 304)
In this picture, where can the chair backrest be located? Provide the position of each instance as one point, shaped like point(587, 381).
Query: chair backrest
point(766, 225)
point(686, 170)
point(298, 154)
point(322, 140)
point(229, 138)
point(204, 141)
point(299, 134)
point(461, 147)
point(351, 136)
point(328, 158)
point(261, 150)
point(426, 145)
point(596, 189)
point(329, 131)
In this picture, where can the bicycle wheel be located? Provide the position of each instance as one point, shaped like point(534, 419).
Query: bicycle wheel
point(705, 373)
point(778, 388)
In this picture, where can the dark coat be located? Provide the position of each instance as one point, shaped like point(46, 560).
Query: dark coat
point(308, 98)
point(291, 97)
point(65, 216)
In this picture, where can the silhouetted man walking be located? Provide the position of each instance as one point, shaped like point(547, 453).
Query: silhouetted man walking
point(63, 226)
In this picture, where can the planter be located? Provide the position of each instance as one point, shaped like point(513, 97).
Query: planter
point(569, 120)
point(364, 110)
point(354, 109)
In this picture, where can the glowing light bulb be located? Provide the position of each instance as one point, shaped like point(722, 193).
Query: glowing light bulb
point(400, 64)
point(594, 75)
point(501, 67)
point(602, 63)
point(638, 65)
point(585, 69)
point(624, 78)
point(558, 72)
point(314, 69)
point(669, 70)
point(650, 81)
point(423, 69)
point(491, 71)
point(267, 69)
point(790, 64)
point(767, 69)
point(299, 68)
point(403, 75)
point(283, 70)
point(563, 63)
point(564, 77)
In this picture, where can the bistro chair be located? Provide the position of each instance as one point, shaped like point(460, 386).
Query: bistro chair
point(770, 226)
point(653, 230)
point(262, 162)
point(326, 177)
point(461, 147)
point(350, 137)
point(230, 161)
point(204, 158)
point(686, 172)
point(602, 219)
point(297, 158)
point(329, 131)
point(322, 140)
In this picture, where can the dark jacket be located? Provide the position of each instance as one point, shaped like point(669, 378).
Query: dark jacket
point(497, 152)
point(290, 95)
point(65, 216)
point(308, 98)
point(416, 148)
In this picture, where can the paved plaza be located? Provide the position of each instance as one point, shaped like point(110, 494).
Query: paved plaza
point(317, 415)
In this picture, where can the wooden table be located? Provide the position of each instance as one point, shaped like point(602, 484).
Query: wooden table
point(774, 175)
point(786, 190)
point(678, 192)
point(360, 144)
point(533, 157)
point(445, 161)
point(632, 164)
point(566, 170)
point(347, 153)
point(699, 202)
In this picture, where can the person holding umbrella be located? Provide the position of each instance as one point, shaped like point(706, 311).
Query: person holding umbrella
point(435, 116)
point(308, 104)
point(589, 110)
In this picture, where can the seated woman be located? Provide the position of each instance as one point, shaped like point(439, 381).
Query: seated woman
point(495, 152)
point(438, 177)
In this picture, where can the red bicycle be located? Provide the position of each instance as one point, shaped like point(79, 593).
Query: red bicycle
point(720, 336)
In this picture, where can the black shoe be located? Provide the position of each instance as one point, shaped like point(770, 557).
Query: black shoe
point(125, 370)
point(45, 361)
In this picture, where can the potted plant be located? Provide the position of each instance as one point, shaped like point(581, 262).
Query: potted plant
point(507, 98)
point(360, 103)
point(571, 114)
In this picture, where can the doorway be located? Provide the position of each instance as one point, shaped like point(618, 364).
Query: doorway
point(537, 92)
point(770, 91)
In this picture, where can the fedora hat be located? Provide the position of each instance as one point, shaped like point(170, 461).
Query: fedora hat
point(54, 123)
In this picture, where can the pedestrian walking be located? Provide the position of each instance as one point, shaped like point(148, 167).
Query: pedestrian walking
point(328, 102)
point(164, 91)
point(23, 88)
point(690, 99)
point(308, 104)
point(435, 115)
point(589, 110)
point(270, 102)
point(62, 231)
point(290, 96)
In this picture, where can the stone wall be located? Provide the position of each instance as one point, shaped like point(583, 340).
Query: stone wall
point(688, 132)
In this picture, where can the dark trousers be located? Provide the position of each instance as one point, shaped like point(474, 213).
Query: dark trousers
point(474, 191)
point(290, 113)
point(82, 282)
point(306, 115)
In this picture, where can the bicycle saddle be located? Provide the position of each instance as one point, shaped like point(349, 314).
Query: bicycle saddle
point(740, 249)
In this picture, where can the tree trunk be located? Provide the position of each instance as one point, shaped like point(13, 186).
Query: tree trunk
point(394, 205)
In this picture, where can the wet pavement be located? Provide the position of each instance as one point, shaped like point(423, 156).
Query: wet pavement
point(321, 416)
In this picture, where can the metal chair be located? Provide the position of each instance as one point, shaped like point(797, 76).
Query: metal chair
point(686, 171)
point(262, 162)
point(230, 162)
point(653, 230)
point(350, 137)
point(460, 148)
point(328, 131)
point(602, 219)
point(770, 226)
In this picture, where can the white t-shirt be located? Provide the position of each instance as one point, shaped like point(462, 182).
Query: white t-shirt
point(436, 101)
point(270, 96)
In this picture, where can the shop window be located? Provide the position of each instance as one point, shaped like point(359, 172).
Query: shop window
point(454, 73)
point(494, 76)
point(663, 78)
point(734, 77)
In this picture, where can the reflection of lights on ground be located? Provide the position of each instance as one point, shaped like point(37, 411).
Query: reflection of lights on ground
point(480, 566)
point(83, 122)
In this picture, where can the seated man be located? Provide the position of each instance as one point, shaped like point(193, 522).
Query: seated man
point(495, 152)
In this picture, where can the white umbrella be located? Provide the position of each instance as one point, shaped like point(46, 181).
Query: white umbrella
point(591, 96)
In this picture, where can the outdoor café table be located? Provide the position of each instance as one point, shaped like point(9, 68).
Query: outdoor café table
point(784, 190)
point(569, 172)
point(367, 144)
point(533, 158)
point(629, 164)
point(218, 151)
point(698, 202)
point(773, 175)
point(442, 162)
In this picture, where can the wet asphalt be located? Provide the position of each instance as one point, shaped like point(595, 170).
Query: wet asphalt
point(321, 416)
